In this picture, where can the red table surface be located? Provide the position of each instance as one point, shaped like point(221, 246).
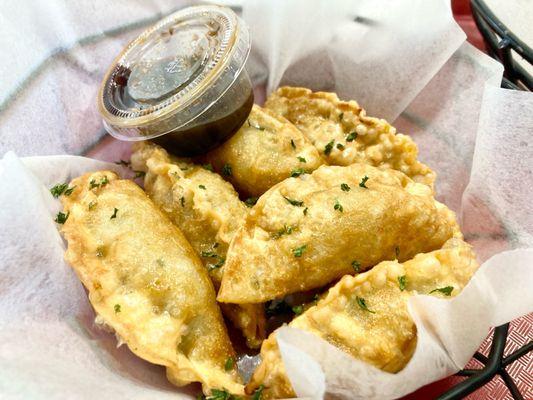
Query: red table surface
point(521, 330)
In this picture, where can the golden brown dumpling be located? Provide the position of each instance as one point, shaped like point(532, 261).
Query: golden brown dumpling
point(308, 231)
point(367, 316)
point(145, 281)
point(208, 211)
point(343, 134)
point(266, 150)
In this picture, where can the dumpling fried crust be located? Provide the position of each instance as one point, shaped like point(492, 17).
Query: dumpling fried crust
point(352, 135)
point(145, 281)
point(208, 211)
point(385, 336)
point(308, 231)
point(263, 152)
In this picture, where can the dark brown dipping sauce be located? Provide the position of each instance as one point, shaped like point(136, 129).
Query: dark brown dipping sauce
point(205, 136)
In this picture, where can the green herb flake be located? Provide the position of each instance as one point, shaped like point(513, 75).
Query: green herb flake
point(69, 191)
point(114, 213)
point(210, 254)
point(338, 206)
point(341, 116)
point(295, 203)
point(226, 170)
point(363, 182)
point(297, 172)
point(447, 290)
point(286, 230)
point(229, 364)
point(299, 251)
point(258, 393)
point(356, 265)
point(58, 189)
point(340, 146)
point(298, 309)
point(61, 217)
point(202, 187)
point(345, 187)
point(301, 159)
point(329, 147)
point(305, 210)
point(160, 262)
point(218, 264)
point(93, 184)
point(117, 308)
point(182, 201)
point(362, 303)
point(100, 251)
point(402, 282)
point(351, 136)
point(250, 201)
point(139, 174)
point(92, 204)
point(208, 167)
point(293, 145)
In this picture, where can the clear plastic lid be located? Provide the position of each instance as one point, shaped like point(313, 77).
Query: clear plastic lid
point(174, 72)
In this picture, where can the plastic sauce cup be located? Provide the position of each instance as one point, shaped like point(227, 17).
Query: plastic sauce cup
point(181, 83)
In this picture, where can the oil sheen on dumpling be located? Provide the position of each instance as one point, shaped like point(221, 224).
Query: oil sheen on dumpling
point(366, 315)
point(308, 231)
point(344, 134)
point(264, 151)
point(145, 281)
point(208, 212)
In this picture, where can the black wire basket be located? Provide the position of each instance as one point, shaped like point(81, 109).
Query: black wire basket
point(500, 43)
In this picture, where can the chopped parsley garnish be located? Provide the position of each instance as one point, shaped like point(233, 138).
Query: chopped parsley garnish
point(117, 308)
point(305, 210)
point(182, 201)
point(294, 202)
point(114, 213)
point(301, 159)
point(297, 172)
point(298, 309)
point(447, 290)
point(340, 146)
point(139, 174)
point(217, 394)
point(226, 170)
point(210, 254)
point(250, 201)
point(229, 364)
point(362, 303)
point(293, 145)
point(208, 167)
point(329, 147)
point(351, 136)
point(356, 265)
point(341, 115)
point(58, 189)
point(345, 187)
point(61, 217)
point(100, 250)
point(402, 282)
point(338, 206)
point(363, 182)
point(298, 251)
point(93, 184)
point(160, 262)
point(69, 191)
point(286, 230)
point(123, 162)
point(92, 204)
point(218, 264)
point(258, 392)
point(201, 187)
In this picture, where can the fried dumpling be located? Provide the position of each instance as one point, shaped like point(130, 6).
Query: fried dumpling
point(367, 316)
point(344, 134)
point(264, 151)
point(208, 212)
point(145, 281)
point(308, 231)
